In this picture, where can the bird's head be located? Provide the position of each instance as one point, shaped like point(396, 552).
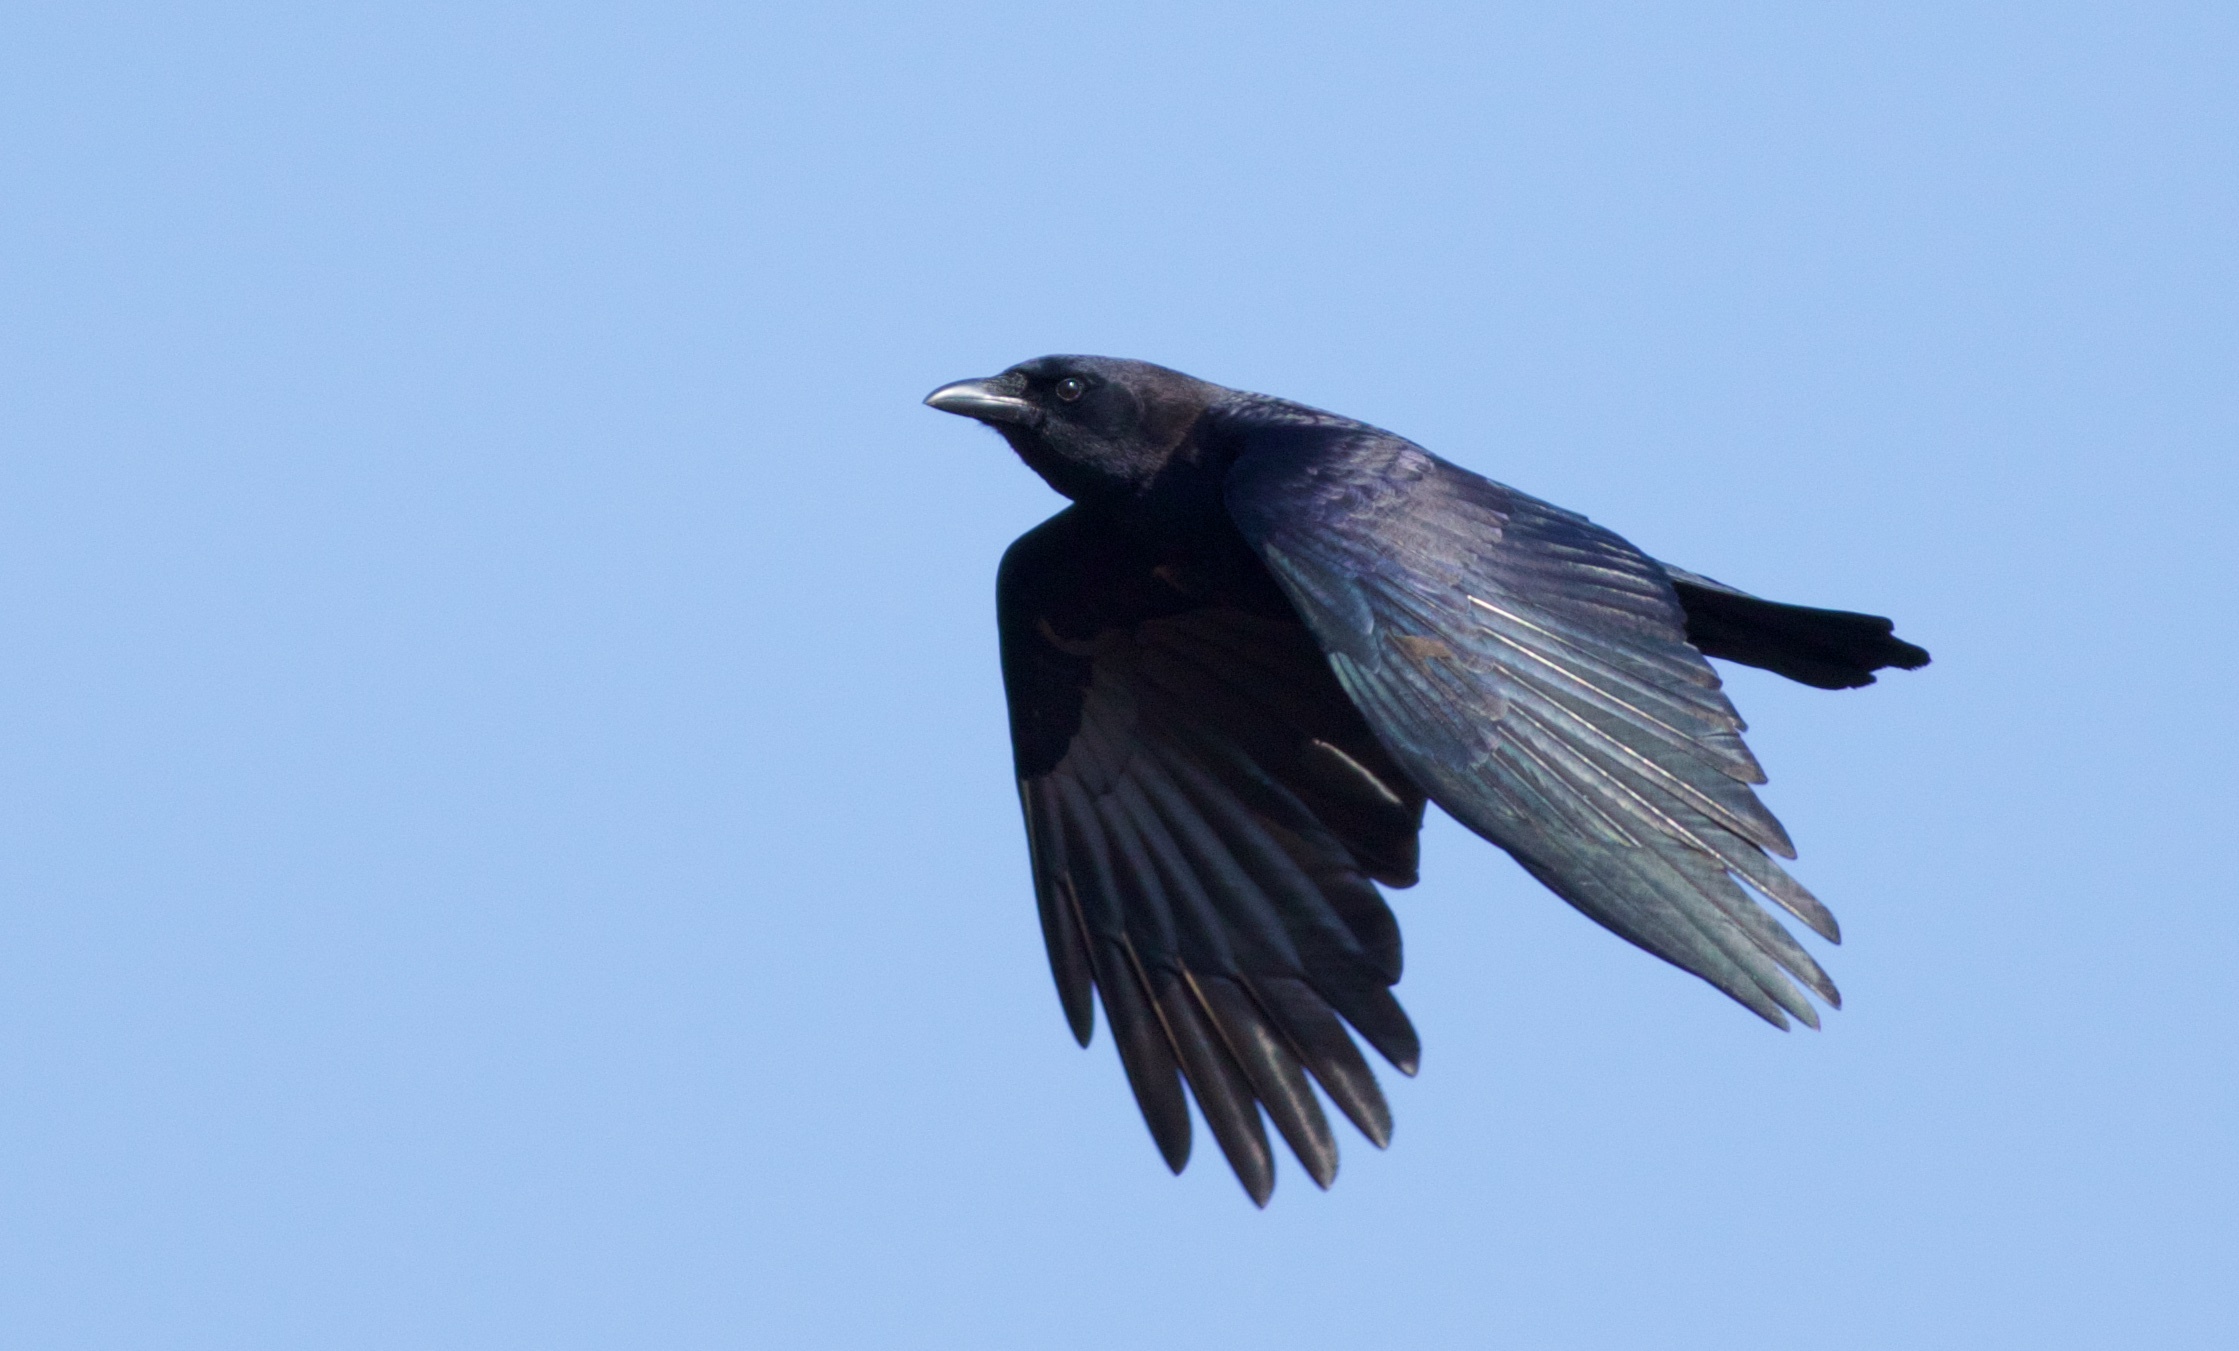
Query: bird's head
point(1096, 428)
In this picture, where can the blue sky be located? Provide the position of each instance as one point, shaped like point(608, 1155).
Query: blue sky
point(506, 836)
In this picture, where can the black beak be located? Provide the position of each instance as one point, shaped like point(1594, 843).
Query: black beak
point(987, 400)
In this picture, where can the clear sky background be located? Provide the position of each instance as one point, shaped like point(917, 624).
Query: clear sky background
point(506, 830)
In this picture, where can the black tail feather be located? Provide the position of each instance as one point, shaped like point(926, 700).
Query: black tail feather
point(1832, 649)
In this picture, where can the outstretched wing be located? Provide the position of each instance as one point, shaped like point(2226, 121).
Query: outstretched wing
point(1206, 810)
point(1532, 672)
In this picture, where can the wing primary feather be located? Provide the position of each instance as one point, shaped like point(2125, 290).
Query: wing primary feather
point(1266, 871)
point(1777, 943)
point(1734, 925)
point(1266, 1057)
point(1716, 744)
point(1377, 1016)
point(1601, 821)
point(1146, 1048)
point(1323, 1046)
point(1150, 857)
point(1707, 945)
point(1759, 828)
point(1710, 917)
point(1354, 982)
point(1786, 892)
point(1105, 918)
point(1671, 931)
point(1224, 1092)
point(1598, 649)
point(1265, 886)
point(1146, 1051)
point(1306, 920)
point(1063, 930)
point(1274, 1072)
point(1147, 908)
point(1652, 920)
point(1196, 927)
point(1744, 858)
point(1709, 707)
point(1584, 777)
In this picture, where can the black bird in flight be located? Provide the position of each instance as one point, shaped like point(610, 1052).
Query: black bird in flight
point(1260, 638)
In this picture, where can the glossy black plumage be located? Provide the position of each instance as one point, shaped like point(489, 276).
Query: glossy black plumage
point(1239, 664)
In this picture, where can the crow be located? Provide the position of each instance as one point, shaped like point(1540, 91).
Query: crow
point(1259, 639)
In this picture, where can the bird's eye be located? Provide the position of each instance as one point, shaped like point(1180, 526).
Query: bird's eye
point(1071, 388)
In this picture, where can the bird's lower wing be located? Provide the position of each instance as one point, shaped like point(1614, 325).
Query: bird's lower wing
point(1531, 671)
point(1206, 811)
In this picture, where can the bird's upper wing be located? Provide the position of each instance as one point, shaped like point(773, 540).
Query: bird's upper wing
point(1531, 671)
point(1205, 811)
